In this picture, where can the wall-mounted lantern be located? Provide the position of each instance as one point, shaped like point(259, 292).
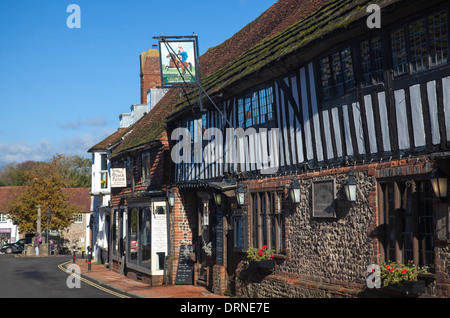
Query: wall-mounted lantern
point(218, 199)
point(439, 183)
point(171, 198)
point(350, 187)
point(240, 195)
point(294, 191)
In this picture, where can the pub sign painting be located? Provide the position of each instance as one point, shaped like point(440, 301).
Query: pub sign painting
point(179, 70)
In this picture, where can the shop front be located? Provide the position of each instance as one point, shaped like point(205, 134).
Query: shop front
point(208, 213)
point(5, 235)
point(139, 240)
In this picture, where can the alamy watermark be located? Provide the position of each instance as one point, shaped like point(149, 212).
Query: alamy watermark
point(74, 19)
point(374, 19)
point(73, 281)
point(374, 278)
point(240, 147)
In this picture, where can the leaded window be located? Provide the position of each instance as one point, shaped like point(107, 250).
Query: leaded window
point(256, 108)
point(418, 46)
point(438, 37)
point(399, 59)
point(325, 71)
point(365, 62)
point(337, 76)
point(347, 65)
point(146, 165)
point(268, 221)
point(377, 58)
point(407, 222)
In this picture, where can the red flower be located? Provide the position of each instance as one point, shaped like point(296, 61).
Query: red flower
point(388, 266)
point(392, 269)
point(264, 247)
point(404, 271)
point(271, 256)
point(261, 253)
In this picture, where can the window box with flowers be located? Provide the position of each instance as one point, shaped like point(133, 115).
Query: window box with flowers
point(402, 278)
point(261, 258)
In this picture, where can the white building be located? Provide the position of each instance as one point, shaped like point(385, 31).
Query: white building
point(9, 232)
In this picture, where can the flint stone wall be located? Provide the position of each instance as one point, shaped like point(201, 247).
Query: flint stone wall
point(326, 257)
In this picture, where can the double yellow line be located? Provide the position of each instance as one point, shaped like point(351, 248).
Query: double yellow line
point(61, 267)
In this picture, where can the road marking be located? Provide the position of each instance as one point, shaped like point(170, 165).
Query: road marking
point(61, 267)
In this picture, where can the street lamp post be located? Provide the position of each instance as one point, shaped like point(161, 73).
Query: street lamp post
point(48, 213)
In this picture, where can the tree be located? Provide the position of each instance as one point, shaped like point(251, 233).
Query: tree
point(75, 170)
point(13, 173)
point(43, 186)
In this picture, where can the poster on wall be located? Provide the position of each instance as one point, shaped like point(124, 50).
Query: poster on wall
point(177, 60)
point(159, 235)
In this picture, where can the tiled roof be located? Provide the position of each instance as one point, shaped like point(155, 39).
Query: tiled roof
point(110, 140)
point(6, 195)
point(77, 196)
point(313, 21)
point(151, 126)
point(274, 20)
point(219, 60)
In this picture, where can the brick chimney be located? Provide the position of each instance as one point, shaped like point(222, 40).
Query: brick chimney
point(150, 72)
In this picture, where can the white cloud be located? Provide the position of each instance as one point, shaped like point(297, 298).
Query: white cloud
point(45, 150)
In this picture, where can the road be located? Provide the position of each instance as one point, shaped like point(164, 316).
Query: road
point(44, 277)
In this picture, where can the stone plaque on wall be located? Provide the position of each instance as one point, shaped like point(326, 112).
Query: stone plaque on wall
point(323, 196)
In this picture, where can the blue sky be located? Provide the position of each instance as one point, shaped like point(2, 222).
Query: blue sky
point(62, 89)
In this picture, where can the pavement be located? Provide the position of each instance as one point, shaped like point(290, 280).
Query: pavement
point(103, 276)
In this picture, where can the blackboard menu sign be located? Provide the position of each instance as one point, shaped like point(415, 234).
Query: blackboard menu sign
point(219, 237)
point(185, 266)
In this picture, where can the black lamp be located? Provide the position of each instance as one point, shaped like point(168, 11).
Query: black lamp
point(350, 187)
point(218, 199)
point(171, 197)
point(294, 190)
point(240, 195)
point(439, 183)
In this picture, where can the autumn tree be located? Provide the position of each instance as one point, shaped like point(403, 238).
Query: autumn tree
point(75, 171)
point(13, 173)
point(43, 186)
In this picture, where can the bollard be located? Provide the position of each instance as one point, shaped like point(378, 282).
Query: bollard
point(89, 259)
point(74, 256)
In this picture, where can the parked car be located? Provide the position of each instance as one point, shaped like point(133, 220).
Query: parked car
point(23, 241)
point(11, 248)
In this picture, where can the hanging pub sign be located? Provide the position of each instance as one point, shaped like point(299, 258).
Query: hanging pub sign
point(178, 62)
point(118, 178)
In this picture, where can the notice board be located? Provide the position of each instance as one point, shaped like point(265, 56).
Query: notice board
point(185, 271)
